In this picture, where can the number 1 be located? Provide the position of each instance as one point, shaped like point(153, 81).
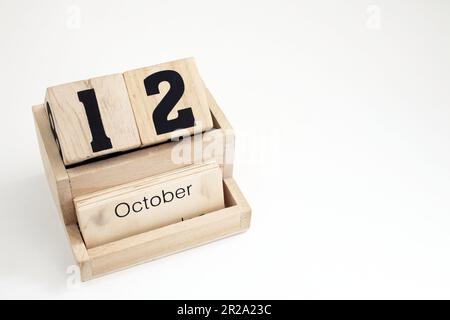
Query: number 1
point(100, 140)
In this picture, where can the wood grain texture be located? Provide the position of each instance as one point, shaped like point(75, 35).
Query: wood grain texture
point(150, 203)
point(194, 97)
point(71, 122)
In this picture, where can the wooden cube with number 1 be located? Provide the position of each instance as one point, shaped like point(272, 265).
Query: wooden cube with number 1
point(92, 118)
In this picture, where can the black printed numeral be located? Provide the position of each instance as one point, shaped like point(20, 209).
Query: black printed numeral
point(100, 141)
point(185, 117)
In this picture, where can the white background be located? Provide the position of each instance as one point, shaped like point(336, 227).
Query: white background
point(342, 116)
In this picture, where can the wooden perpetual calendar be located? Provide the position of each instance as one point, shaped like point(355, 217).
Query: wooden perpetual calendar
point(140, 165)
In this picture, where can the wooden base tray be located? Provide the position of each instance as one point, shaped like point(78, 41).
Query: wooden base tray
point(235, 218)
point(67, 183)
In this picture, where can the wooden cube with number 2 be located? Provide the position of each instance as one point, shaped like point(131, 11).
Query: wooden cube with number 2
point(168, 97)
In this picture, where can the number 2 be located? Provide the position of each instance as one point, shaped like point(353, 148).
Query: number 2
point(185, 117)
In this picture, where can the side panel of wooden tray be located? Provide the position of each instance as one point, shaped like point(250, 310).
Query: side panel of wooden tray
point(220, 121)
point(79, 251)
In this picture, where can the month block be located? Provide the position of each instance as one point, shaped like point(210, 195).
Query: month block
point(166, 98)
point(92, 118)
point(122, 211)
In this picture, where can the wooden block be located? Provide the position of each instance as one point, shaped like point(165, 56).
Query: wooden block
point(150, 203)
point(92, 118)
point(168, 97)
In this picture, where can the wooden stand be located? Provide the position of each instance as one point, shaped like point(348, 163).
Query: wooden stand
point(67, 183)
